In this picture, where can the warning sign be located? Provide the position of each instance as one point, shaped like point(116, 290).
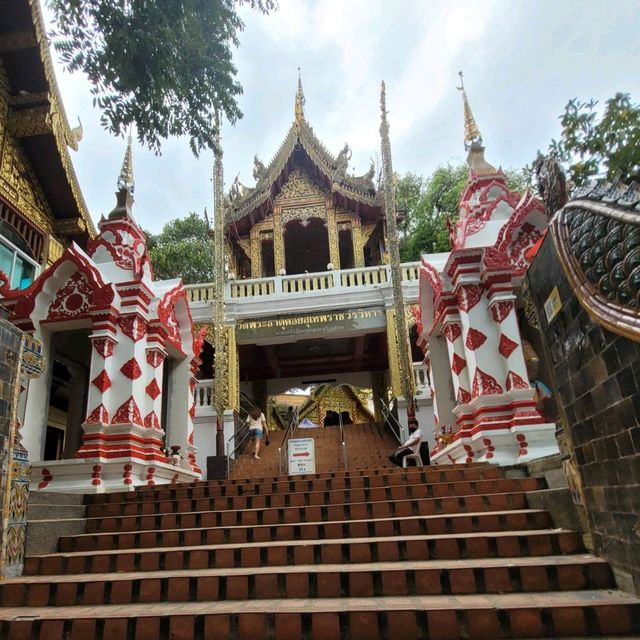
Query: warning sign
point(302, 456)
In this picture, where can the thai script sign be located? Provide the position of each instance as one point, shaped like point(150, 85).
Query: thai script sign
point(334, 321)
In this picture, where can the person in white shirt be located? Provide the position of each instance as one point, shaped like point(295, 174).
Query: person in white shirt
point(412, 445)
point(257, 429)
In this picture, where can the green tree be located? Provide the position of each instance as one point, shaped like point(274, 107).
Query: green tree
point(427, 202)
point(164, 65)
point(182, 250)
point(593, 144)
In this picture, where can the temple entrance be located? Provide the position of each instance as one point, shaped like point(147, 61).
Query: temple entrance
point(67, 403)
point(306, 247)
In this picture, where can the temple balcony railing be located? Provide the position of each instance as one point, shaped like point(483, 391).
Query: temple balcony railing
point(203, 396)
point(339, 289)
point(421, 379)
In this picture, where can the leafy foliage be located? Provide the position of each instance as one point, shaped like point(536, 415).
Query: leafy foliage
point(607, 146)
point(164, 65)
point(182, 250)
point(427, 202)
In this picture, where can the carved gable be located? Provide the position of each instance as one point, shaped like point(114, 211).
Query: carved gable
point(299, 186)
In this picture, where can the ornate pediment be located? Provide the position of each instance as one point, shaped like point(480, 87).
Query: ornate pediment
point(299, 186)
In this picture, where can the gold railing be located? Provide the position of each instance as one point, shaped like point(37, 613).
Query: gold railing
point(364, 277)
point(307, 282)
point(199, 292)
point(249, 288)
point(345, 279)
point(410, 272)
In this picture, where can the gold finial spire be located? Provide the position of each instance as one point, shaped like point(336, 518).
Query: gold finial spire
point(125, 179)
point(299, 111)
point(472, 136)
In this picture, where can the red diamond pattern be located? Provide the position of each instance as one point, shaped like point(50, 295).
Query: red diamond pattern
point(102, 381)
point(131, 369)
point(458, 364)
point(475, 339)
point(506, 346)
point(153, 389)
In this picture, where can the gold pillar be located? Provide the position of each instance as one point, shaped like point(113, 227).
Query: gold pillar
point(358, 246)
point(233, 368)
point(256, 254)
point(392, 348)
point(278, 241)
point(332, 234)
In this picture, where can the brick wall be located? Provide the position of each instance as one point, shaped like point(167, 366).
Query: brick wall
point(597, 379)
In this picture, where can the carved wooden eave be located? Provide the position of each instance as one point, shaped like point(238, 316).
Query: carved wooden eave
point(36, 118)
point(348, 191)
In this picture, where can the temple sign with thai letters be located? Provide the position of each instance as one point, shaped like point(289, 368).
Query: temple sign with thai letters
point(302, 456)
point(333, 321)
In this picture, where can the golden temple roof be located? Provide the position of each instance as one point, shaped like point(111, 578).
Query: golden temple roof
point(242, 202)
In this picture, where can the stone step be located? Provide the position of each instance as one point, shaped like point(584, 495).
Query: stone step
point(311, 513)
point(429, 475)
point(413, 525)
point(334, 497)
point(504, 575)
point(55, 497)
point(548, 615)
point(276, 553)
point(37, 512)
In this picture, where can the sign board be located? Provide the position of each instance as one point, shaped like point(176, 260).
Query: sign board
point(302, 456)
point(552, 305)
point(354, 320)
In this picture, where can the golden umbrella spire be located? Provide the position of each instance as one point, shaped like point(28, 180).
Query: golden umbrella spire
point(125, 179)
point(299, 110)
point(472, 135)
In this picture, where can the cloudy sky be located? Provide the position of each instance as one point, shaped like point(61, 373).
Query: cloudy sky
point(522, 61)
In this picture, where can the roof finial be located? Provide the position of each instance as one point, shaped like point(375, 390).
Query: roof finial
point(125, 179)
point(472, 136)
point(299, 111)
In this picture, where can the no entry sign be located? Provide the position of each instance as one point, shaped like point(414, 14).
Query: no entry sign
point(302, 456)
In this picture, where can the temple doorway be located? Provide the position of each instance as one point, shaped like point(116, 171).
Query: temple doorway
point(68, 391)
point(306, 247)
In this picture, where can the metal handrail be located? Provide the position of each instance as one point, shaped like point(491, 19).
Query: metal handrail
point(391, 421)
point(283, 449)
point(342, 440)
point(242, 433)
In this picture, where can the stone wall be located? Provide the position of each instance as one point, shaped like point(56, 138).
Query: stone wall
point(597, 379)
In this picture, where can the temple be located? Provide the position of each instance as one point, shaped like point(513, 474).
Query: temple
point(308, 292)
point(123, 399)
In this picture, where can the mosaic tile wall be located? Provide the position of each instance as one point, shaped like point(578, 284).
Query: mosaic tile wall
point(16, 470)
point(597, 379)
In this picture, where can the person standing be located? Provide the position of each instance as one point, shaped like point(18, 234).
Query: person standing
point(412, 445)
point(257, 429)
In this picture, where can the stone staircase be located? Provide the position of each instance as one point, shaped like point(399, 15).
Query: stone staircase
point(440, 553)
point(367, 447)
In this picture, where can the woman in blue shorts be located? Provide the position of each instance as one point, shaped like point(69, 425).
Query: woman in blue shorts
point(257, 428)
